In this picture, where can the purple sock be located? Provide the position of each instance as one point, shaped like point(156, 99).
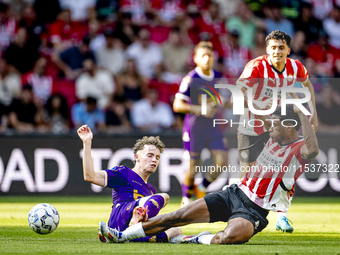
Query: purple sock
point(155, 203)
point(160, 238)
point(187, 191)
point(205, 182)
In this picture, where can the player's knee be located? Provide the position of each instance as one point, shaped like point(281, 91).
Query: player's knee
point(166, 198)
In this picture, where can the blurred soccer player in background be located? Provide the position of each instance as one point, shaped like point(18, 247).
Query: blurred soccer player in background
point(134, 199)
point(198, 131)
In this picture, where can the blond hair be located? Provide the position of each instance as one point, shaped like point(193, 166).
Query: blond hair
point(203, 45)
point(151, 140)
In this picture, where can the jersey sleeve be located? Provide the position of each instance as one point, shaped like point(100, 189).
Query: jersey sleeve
point(302, 73)
point(249, 76)
point(184, 89)
point(117, 177)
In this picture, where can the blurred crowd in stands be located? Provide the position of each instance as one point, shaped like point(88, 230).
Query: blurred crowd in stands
point(117, 64)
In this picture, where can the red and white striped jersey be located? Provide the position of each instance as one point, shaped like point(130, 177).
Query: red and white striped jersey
point(276, 163)
point(260, 75)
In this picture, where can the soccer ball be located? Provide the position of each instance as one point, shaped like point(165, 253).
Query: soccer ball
point(43, 218)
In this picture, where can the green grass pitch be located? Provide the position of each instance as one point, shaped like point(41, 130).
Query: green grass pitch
point(316, 224)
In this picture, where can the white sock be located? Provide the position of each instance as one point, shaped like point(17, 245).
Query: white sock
point(206, 239)
point(133, 232)
point(282, 214)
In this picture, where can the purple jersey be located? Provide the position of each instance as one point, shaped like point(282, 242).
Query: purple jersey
point(199, 130)
point(127, 187)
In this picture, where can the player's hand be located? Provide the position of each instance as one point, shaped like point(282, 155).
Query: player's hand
point(85, 133)
point(313, 120)
point(211, 111)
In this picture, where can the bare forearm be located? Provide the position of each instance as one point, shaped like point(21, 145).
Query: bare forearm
point(311, 90)
point(89, 173)
point(312, 147)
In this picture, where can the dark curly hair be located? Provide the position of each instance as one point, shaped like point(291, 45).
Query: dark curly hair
point(151, 140)
point(278, 35)
point(290, 114)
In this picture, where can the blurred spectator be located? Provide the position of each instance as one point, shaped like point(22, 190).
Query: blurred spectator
point(202, 5)
point(47, 11)
point(235, 56)
point(176, 54)
point(117, 116)
point(243, 22)
point(10, 86)
point(148, 55)
point(328, 107)
point(97, 39)
point(321, 8)
point(106, 9)
point(21, 54)
point(332, 27)
point(151, 115)
point(8, 27)
point(95, 83)
point(212, 24)
point(87, 113)
point(17, 7)
point(56, 114)
point(298, 46)
point(324, 56)
point(260, 43)
point(41, 83)
point(167, 11)
point(79, 8)
point(307, 23)
point(256, 6)
point(23, 114)
point(34, 30)
point(71, 60)
point(212, 20)
point(137, 8)
point(126, 31)
point(111, 56)
point(229, 7)
point(65, 33)
point(290, 8)
point(275, 21)
point(130, 84)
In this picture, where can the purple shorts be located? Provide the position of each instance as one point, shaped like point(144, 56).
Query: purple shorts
point(121, 215)
point(210, 140)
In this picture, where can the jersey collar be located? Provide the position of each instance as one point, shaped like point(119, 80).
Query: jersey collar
point(203, 76)
point(277, 71)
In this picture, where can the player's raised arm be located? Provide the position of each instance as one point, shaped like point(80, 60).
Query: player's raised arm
point(90, 175)
point(311, 148)
point(314, 118)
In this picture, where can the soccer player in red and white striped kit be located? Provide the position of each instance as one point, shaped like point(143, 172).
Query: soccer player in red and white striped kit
point(262, 74)
point(245, 206)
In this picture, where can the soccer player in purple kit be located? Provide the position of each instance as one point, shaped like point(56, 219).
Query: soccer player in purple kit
point(198, 131)
point(134, 200)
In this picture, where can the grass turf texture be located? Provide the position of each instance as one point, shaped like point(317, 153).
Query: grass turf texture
point(316, 230)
